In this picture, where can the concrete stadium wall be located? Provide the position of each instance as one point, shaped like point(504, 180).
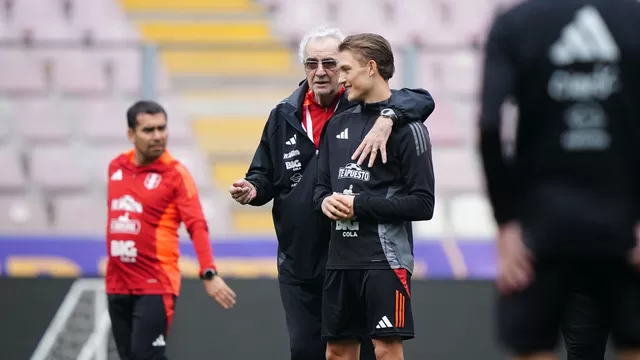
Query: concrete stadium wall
point(454, 320)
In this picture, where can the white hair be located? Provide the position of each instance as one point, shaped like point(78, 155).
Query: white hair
point(318, 33)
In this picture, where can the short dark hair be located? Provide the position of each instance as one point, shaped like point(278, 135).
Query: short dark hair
point(143, 107)
point(368, 46)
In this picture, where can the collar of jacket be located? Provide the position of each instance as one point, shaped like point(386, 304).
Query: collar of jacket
point(296, 99)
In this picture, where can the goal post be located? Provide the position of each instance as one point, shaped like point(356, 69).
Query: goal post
point(81, 328)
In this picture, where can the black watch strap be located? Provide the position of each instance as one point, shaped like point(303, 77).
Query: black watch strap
point(208, 274)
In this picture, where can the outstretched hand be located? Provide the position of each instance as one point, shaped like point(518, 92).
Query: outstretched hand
point(242, 191)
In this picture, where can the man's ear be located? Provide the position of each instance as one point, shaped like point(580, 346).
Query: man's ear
point(130, 133)
point(373, 67)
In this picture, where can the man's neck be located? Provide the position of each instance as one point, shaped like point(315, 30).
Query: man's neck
point(379, 92)
point(324, 100)
point(139, 159)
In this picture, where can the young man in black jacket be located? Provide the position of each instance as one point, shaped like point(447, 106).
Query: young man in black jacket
point(284, 168)
point(568, 204)
point(367, 285)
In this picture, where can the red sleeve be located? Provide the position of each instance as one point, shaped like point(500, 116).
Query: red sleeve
point(188, 204)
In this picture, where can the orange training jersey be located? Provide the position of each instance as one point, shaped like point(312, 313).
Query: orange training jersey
point(146, 206)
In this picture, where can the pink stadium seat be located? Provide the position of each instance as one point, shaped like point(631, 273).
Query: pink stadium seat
point(42, 120)
point(77, 73)
point(72, 215)
point(20, 73)
point(431, 72)
point(126, 64)
point(22, 215)
point(101, 157)
point(43, 19)
point(104, 19)
point(295, 18)
point(104, 121)
point(180, 132)
point(12, 179)
point(423, 20)
point(462, 72)
point(444, 128)
point(457, 170)
point(58, 168)
point(356, 16)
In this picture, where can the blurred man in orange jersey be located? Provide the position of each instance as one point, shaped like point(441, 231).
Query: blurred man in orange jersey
point(149, 195)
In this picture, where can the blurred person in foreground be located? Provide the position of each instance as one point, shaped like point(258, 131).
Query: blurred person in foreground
point(284, 168)
point(149, 195)
point(568, 203)
point(367, 288)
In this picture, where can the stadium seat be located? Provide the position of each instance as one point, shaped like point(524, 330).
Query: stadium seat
point(80, 214)
point(21, 73)
point(456, 170)
point(75, 73)
point(58, 168)
point(13, 178)
point(444, 127)
point(221, 136)
point(225, 173)
point(42, 121)
point(293, 19)
point(22, 215)
point(101, 156)
point(42, 19)
point(105, 20)
point(462, 73)
point(189, 5)
point(103, 121)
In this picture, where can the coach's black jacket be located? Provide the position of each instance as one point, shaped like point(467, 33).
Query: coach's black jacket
point(284, 168)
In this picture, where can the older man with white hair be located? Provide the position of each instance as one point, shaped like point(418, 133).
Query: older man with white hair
point(284, 169)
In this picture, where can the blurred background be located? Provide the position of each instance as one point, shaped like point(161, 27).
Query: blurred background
point(70, 68)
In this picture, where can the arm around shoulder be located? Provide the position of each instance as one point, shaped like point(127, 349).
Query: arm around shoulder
point(411, 105)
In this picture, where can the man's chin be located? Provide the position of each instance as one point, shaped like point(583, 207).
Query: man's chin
point(323, 90)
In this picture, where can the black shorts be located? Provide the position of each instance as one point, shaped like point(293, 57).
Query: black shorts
point(529, 320)
point(140, 324)
point(367, 303)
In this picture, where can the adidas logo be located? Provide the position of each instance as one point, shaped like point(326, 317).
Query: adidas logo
point(344, 134)
point(159, 341)
point(585, 39)
point(384, 323)
point(292, 141)
point(117, 175)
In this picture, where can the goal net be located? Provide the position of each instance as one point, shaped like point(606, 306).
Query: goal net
point(80, 329)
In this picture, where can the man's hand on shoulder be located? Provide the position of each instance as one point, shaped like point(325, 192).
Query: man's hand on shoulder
point(376, 140)
point(242, 191)
point(220, 292)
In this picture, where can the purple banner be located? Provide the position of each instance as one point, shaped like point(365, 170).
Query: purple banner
point(29, 256)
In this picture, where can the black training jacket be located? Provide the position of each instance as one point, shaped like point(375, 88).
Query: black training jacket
point(573, 68)
point(284, 169)
point(388, 197)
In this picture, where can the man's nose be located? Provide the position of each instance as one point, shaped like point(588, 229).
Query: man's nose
point(320, 71)
point(157, 134)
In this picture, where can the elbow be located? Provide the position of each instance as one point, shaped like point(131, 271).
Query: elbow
point(427, 205)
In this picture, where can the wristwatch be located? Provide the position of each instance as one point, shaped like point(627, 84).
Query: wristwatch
point(390, 114)
point(208, 274)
